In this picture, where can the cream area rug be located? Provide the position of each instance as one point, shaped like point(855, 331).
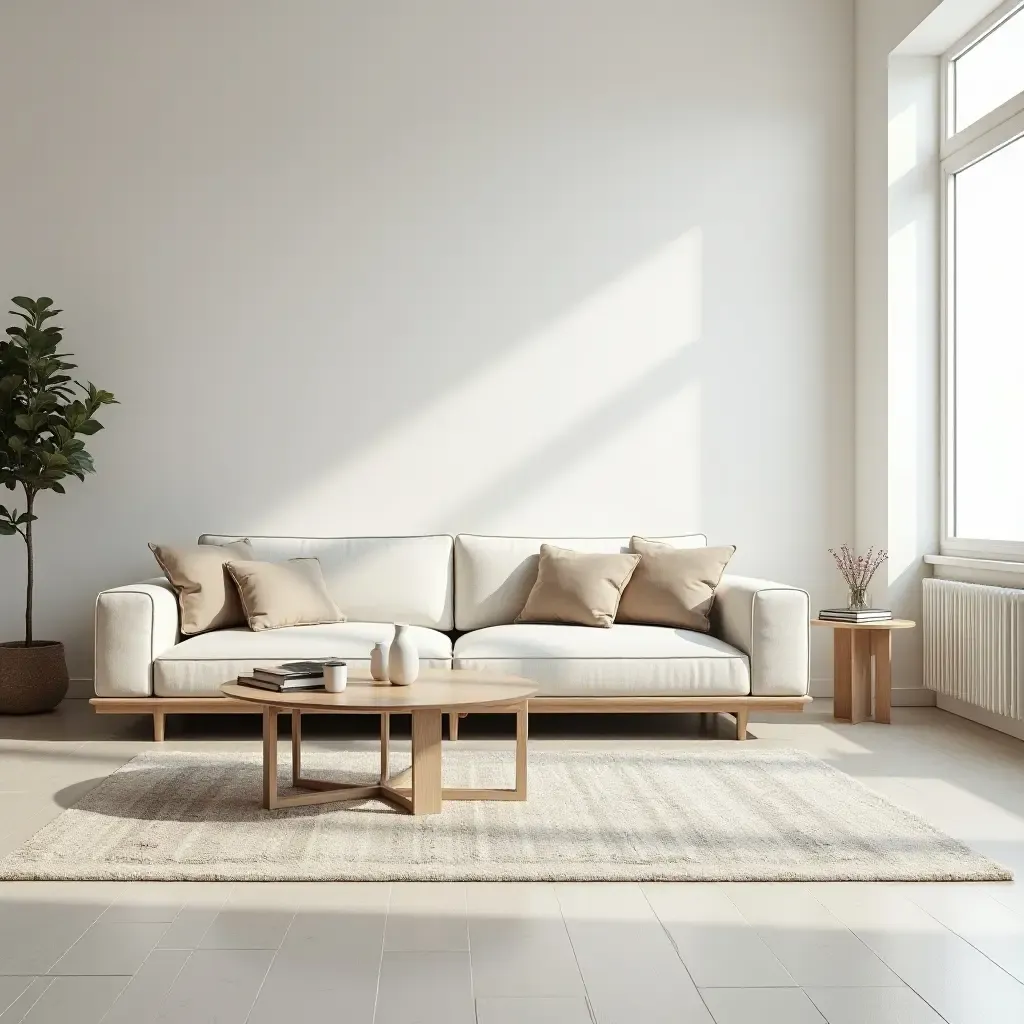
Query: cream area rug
point(711, 815)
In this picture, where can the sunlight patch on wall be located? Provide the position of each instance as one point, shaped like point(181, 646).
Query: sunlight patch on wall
point(656, 489)
point(904, 296)
point(530, 417)
point(903, 143)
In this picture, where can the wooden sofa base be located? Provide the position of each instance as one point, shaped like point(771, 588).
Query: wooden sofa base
point(738, 707)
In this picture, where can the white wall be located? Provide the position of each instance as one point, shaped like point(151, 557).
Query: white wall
point(896, 396)
point(574, 267)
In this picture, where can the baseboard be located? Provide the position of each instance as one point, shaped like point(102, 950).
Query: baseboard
point(1009, 726)
point(902, 696)
point(821, 687)
point(913, 697)
point(80, 689)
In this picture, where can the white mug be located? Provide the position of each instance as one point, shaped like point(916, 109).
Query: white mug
point(335, 676)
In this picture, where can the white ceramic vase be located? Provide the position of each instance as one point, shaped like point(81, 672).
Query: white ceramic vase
point(379, 661)
point(403, 658)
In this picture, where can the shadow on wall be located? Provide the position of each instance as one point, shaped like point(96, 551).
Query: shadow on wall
point(470, 269)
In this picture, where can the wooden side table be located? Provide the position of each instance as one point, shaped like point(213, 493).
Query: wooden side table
point(853, 644)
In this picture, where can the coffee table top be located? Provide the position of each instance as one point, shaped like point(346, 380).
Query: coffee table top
point(436, 689)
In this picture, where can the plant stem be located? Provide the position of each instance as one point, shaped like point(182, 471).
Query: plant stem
point(29, 501)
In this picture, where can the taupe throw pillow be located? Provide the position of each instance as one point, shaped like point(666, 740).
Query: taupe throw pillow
point(673, 586)
point(206, 597)
point(577, 587)
point(276, 594)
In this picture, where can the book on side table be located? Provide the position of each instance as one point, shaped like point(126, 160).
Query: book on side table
point(855, 615)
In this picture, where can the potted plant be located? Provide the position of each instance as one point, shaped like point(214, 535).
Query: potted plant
point(42, 413)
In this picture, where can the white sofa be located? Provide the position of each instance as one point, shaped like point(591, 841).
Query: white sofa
point(461, 596)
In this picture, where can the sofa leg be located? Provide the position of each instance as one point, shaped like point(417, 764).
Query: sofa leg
point(158, 726)
point(453, 725)
point(741, 723)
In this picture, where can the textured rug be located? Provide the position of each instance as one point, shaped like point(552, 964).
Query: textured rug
point(713, 815)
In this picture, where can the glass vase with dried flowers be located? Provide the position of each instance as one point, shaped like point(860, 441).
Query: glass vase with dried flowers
point(857, 571)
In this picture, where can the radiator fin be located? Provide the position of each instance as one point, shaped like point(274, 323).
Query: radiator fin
point(973, 644)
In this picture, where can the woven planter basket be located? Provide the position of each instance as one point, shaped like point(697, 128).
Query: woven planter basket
point(32, 679)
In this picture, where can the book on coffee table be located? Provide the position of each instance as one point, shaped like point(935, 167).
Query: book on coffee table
point(283, 685)
point(290, 670)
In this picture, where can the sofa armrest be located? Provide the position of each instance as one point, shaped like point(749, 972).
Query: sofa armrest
point(134, 625)
point(770, 623)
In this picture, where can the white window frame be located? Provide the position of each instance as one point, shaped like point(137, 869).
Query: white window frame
point(958, 151)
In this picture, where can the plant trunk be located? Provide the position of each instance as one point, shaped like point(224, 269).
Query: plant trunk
point(30, 576)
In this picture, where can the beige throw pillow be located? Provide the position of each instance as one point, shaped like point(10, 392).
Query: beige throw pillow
point(673, 586)
point(577, 587)
point(206, 597)
point(276, 594)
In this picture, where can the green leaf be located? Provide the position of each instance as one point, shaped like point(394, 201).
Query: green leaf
point(25, 518)
point(6, 530)
point(44, 303)
point(90, 427)
point(10, 485)
point(25, 303)
point(4, 512)
point(57, 487)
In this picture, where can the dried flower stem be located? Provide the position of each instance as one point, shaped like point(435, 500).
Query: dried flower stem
point(857, 570)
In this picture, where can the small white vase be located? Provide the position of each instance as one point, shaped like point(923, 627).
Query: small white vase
point(403, 658)
point(379, 661)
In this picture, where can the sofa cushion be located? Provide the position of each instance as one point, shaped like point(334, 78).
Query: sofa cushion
point(198, 666)
point(578, 588)
point(206, 596)
point(494, 575)
point(577, 661)
point(673, 586)
point(374, 579)
point(279, 594)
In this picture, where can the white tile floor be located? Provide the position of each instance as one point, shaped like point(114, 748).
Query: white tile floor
point(217, 953)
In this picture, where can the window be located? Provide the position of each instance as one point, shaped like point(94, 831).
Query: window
point(990, 72)
point(983, 290)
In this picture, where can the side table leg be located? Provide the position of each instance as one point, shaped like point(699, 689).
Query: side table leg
point(861, 702)
point(426, 762)
point(269, 758)
point(842, 656)
point(881, 648)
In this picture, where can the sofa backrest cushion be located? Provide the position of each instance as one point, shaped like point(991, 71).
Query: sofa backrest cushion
point(494, 575)
point(374, 579)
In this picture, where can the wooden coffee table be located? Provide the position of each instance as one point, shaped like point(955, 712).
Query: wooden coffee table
point(417, 790)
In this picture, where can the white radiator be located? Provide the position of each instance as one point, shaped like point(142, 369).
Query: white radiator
point(973, 644)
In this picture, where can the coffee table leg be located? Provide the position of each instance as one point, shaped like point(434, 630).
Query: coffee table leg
point(426, 762)
point(385, 742)
point(269, 758)
point(522, 732)
point(296, 747)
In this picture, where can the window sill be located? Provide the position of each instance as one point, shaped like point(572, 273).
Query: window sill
point(986, 564)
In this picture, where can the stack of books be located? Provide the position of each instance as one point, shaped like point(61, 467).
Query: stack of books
point(855, 615)
point(292, 675)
